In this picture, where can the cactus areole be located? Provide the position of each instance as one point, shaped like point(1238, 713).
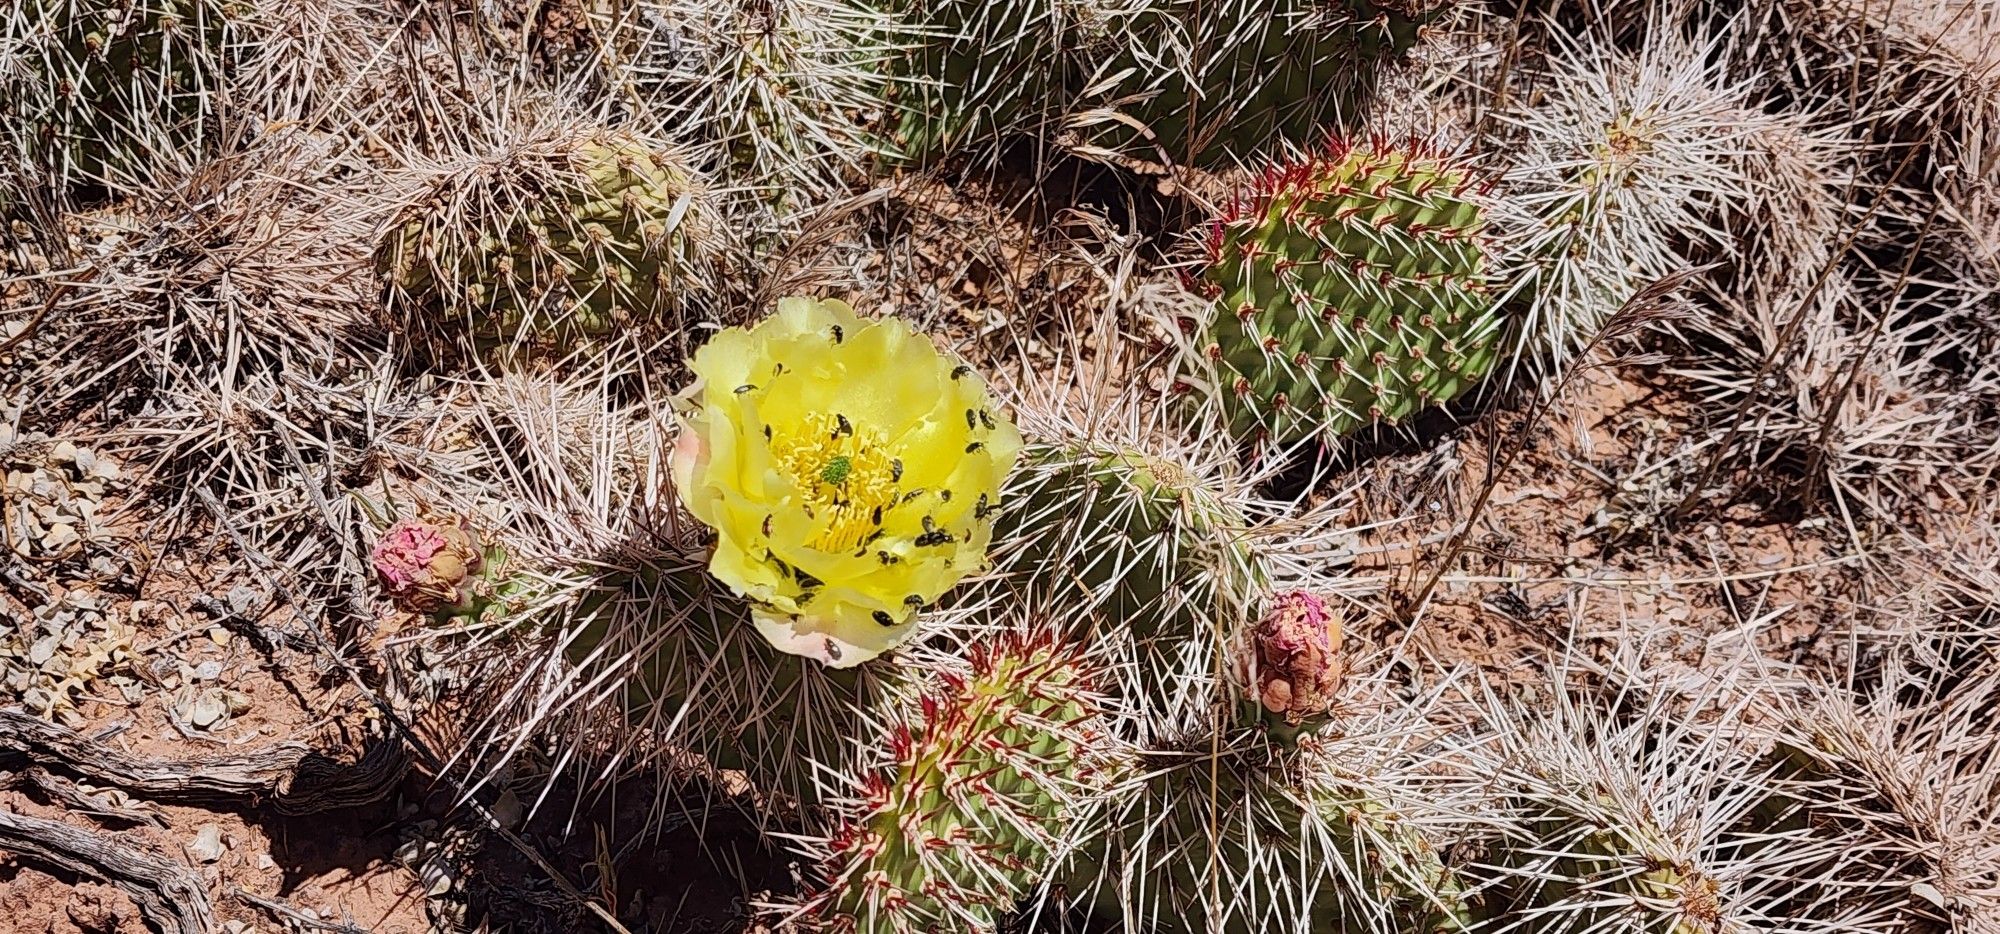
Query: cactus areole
point(1349, 289)
point(851, 473)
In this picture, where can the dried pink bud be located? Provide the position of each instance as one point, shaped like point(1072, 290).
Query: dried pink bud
point(1298, 665)
point(426, 567)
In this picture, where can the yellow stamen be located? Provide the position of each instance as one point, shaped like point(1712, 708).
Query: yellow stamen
point(846, 473)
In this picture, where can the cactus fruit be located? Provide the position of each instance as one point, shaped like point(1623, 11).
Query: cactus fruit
point(567, 238)
point(1349, 289)
point(991, 769)
point(105, 91)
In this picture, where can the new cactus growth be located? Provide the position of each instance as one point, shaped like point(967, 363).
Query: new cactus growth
point(851, 473)
point(1349, 289)
point(990, 770)
point(575, 236)
point(104, 91)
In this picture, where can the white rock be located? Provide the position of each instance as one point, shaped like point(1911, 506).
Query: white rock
point(207, 845)
point(207, 709)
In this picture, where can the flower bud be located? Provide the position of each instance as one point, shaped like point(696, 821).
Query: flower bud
point(1297, 665)
point(427, 567)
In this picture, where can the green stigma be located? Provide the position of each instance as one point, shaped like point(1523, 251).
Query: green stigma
point(836, 470)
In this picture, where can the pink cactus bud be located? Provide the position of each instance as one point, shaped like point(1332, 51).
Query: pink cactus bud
point(1297, 664)
point(427, 566)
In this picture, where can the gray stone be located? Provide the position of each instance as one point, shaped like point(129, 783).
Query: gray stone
point(207, 845)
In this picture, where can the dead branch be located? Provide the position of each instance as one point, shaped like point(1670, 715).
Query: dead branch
point(98, 806)
point(171, 898)
point(292, 778)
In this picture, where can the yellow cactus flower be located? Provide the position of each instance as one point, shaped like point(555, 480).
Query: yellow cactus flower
point(850, 471)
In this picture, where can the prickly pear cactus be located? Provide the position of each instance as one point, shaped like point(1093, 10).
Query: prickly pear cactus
point(1249, 77)
point(977, 70)
point(1150, 542)
point(561, 240)
point(1349, 289)
point(677, 652)
point(104, 91)
point(990, 769)
point(1203, 81)
point(1252, 839)
point(1616, 876)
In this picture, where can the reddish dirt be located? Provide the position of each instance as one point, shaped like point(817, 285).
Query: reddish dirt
point(34, 903)
point(1571, 545)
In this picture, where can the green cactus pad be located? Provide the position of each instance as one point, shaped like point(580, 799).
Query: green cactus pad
point(1205, 81)
point(109, 89)
point(1237, 845)
point(1349, 289)
point(1126, 531)
point(551, 245)
point(1263, 74)
point(986, 770)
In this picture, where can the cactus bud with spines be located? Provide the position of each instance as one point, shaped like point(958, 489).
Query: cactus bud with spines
point(1349, 288)
point(989, 771)
point(573, 235)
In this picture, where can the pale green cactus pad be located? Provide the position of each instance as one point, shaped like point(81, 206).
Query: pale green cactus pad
point(555, 243)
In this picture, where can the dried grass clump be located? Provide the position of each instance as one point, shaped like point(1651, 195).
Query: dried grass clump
point(219, 332)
